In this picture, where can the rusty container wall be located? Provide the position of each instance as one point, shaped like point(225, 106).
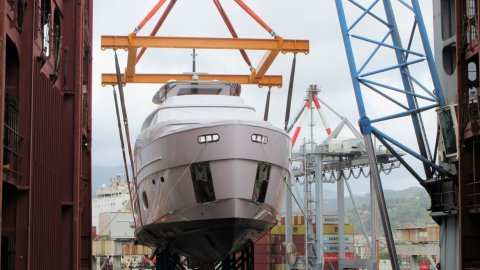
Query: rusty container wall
point(45, 105)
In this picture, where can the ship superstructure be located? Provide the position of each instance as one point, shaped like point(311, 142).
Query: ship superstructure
point(111, 198)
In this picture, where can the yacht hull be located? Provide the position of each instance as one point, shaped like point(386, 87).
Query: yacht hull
point(206, 200)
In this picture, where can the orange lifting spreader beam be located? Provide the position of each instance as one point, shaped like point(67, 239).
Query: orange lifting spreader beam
point(127, 42)
point(272, 46)
point(268, 80)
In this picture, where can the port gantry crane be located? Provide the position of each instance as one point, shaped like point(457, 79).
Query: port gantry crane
point(330, 162)
point(390, 67)
point(133, 43)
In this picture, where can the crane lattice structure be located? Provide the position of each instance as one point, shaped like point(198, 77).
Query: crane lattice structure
point(392, 69)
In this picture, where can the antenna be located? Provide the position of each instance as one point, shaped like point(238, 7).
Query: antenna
point(194, 62)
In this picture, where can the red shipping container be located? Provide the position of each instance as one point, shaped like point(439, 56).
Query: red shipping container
point(333, 256)
point(300, 249)
point(277, 249)
point(297, 239)
point(278, 259)
point(264, 239)
point(262, 258)
point(296, 220)
point(425, 266)
point(262, 248)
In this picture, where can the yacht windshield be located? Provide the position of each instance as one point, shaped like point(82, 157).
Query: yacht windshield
point(196, 91)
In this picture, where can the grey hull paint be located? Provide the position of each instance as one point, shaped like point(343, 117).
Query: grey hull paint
point(167, 155)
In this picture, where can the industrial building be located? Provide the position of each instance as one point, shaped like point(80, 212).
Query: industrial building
point(45, 105)
point(456, 31)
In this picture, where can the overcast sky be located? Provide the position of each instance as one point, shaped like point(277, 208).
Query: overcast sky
point(325, 65)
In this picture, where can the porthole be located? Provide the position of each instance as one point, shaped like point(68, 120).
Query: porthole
point(153, 181)
point(472, 71)
point(162, 179)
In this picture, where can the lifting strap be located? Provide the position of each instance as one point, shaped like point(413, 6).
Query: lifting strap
point(220, 10)
point(158, 25)
point(127, 134)
point(122, 143)
point(290, 90)
point(255, 17)
point(149, 15)
point(232, 31)
point(267, 105)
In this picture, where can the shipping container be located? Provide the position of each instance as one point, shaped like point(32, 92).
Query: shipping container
point(278, 258)
point(280, 229)
point(328, 266)
point(263, 248)
point(296, 220)
point(116, 225)
point(262, 258)
point(327, 219)
point(300, 229)
point(333, 238)
point(266, 239)
point(333, 229)
point(333, 219)
point(280, 238)
point(262, 266)
point(334, 247)
point(333, 256)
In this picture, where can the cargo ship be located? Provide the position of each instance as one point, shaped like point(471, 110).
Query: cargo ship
point(111, 198)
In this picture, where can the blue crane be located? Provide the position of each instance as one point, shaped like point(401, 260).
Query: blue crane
point(381, 64)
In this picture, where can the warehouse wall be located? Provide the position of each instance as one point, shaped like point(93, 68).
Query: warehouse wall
point(45, 102)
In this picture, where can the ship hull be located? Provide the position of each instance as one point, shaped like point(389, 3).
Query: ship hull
point(205, 240)
point(207, 200)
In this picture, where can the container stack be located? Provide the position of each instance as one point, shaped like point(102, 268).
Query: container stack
point(270, 249)
point(263, 253)
point(330, 239)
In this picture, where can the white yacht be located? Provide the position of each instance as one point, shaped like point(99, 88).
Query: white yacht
point(211, 175)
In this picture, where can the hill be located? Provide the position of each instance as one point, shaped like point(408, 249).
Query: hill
point(404, 206)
